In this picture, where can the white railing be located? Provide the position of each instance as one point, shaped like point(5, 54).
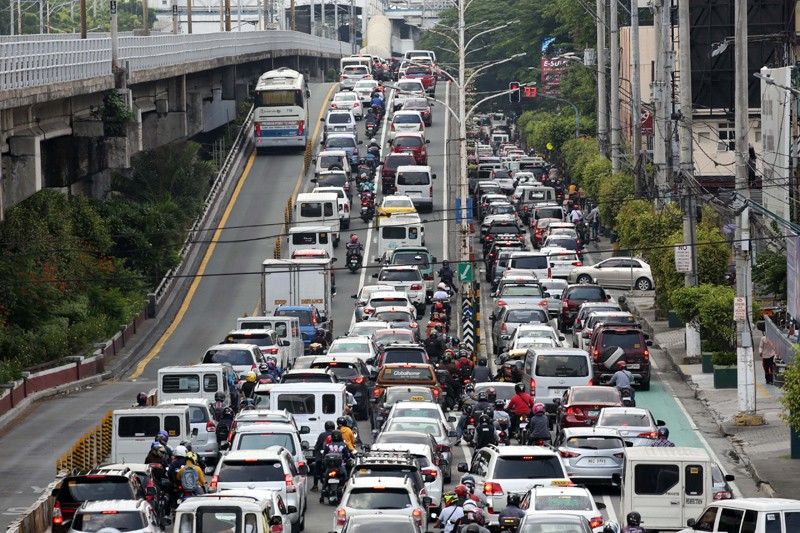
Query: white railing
point(27, 63)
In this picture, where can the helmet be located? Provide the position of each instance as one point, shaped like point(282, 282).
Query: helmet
point(219, 396)
point(191, 456)
point(461, 491)
point(449, 498)
point(485, 419)
point(329, 425)
point(353, 238)
point(336, 436)
point(519, 388)
point(263, 367)
point(180, 451)
point(445, 262)
point(470, 505)
point(363, 176)
point(162, 437)
point(188, 445)
point(341, 421)
point(159, 449)
point(483, 362)
point(634, 519)
point(250, 377)
point(538, 407)
point(373, 141)
point(438, 306)
point(513, 499)
point(469, 481)
point(442, 286)
point(227, 412)
point(621, 364)
point(271, 363)
point(491, 394)
point(663, 433)
point(482, 396)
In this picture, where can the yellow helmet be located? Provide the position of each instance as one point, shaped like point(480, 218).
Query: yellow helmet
point(250, 377)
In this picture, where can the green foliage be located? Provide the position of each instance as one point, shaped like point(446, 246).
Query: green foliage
point(769, 272)
point(711, 306)
point(579, 87)
point(726, 358)
point(790, 399)
point(614, 191)
point(541, 127)
point(64, 19)
point(595, 170)
point(115, 114)
point(577, 153)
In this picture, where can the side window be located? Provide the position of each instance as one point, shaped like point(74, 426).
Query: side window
point(298, 404)
point(413, 233)
point(749, 522)
point(694, 480)
point(706, 521)
point(328, 209)
point(280, 330)
point(292, 467)
point(197, 414)
point(250, 523)
point(186, 524)
point(210, 383)
point(138, 426)
point(655, 480)
point(323, 238)
point(328, 404)
point(772, 522)
point(792, 521)
point(730, 520)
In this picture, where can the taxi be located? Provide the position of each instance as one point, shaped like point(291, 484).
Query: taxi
point(396, 204)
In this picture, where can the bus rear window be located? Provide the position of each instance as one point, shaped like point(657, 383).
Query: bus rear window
point(283, 98)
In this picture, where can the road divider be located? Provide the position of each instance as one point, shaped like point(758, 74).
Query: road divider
point(88, 451)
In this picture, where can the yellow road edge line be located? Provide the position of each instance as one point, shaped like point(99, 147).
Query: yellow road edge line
point(200, 271)
point(187, 300)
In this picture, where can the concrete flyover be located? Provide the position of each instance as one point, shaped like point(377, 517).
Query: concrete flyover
point(52, 89)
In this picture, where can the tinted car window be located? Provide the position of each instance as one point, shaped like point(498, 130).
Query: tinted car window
point(250, 471)
point(536, 261)
point(656, 479)
point(385, 528)
point(341, 142)
point(526, 316)
point(595, 443)
point(340, 370)
point(262, 441)
point(399, 275)
point(404, 356)
point(258, 340)
point(595, 394)
point(587, 293)
point(369, 498)
point(562, 366)
point(413, 178)
point(623, 339)
point(298, 404)
point(562, 502)
point(528, 467)
point(138, 426)
point(496, 229)
point(398, 394)
point(304, 316)
point(729, 520)
point(407, 119)
point(232, 357)
point(121, 521)
point(178, 383)
point(625, 419)
point(411, 142)
point(93, 489)
point(338, 118)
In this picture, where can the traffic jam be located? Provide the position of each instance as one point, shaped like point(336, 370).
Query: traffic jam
point(304, 417)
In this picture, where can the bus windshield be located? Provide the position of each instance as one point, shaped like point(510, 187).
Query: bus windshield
point(279, 98)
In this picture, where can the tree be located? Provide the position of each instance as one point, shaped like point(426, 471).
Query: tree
point(711, 306)
point(614, 191)
point(770, 272)
point(578, 85)
point(542, 128)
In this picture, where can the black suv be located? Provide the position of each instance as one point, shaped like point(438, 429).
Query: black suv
point(351, 371)
point(121, 484)
point(573, 297)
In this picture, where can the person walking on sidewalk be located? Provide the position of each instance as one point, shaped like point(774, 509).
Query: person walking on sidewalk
point(766, 349)
point(593, 218)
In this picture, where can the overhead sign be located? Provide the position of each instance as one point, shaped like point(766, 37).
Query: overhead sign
point(646, 121)
point(740, 309)
point(683, 258)
point(552, 69)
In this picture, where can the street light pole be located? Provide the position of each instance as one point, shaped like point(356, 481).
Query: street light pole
point(463, 183)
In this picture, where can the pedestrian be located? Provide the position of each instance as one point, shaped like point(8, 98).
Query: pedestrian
point(766, 349)
point(593, 218)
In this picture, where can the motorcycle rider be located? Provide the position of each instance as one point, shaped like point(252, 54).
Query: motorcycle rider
point(663, 439)
point(521, 404)
point(482, 405)
point(272, 369)
point(464, 365)
point(623, 379)
point(191, 476)
point(249, 385)
point(355, 247)
point(347, 434)
point(538, 425)
point(377, 103)
point(337, 445)
point(224, 424)
point(633, 521)
point(446, 274)
point(434, 346)
point(452, 513)
point(468, 481)
point(485, 433)
point(219, 405)
point(512, 509)
point(442, 295)
point(319, 451)
point(157, 454)
point(482, 374)
point(370, 118)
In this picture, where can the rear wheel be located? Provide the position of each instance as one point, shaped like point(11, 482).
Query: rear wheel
point(584, 278)
point(643, 284)
point(645, 386)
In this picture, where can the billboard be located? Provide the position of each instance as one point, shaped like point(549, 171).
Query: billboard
point(792, 278)
point(776, 139)
point(552, 69)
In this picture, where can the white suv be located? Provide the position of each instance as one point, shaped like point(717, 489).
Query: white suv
point(261, 436)
point(513, 469)
point(408, 279)
point(271, 469)
point(392, 495)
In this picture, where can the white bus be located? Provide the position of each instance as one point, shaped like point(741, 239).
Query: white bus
point(280, 118)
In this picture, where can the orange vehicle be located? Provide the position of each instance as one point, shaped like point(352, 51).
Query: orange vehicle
point(403, 374)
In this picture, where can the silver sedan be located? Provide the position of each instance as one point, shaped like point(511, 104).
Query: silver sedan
point(591, 454)
point(635, 424)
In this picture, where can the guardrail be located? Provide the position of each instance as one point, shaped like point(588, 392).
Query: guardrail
point(39, 515)
point(26, 62)
point(88, 451)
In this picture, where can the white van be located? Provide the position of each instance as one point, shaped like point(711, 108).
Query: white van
point(753, 515)
point(418, 53)
point(416, 182)
point(234, 511)
point(287, 328)
point(193, 381)
point(310, 238)
point(400, 230)
point(312, 404)
point(134, 430)
point(318, 209)
point(667, 486)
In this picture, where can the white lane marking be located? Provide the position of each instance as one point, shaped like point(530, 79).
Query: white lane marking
point(366, 260)
point(736, 492)
point(446, 195)
point(611, 513)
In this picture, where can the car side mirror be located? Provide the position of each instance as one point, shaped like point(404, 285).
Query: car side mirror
point(557, 401)
point(291, 509)
point(427, 141)
point(730, 477)
point(194, 432)
point(375, 434)
point(285, 343)
point(452, 434)
point(305, 430)
point(375, 275)
point(427, 501)
point(451, 419)
point(600, 505)
point(616, 479)
point(433, 176)
point(691, 523)
point(314, 180)
point(224, 445)
point(323, 319)
point(660, 423)
point(55, 491)
point(360, 142)
point(354, 296)
point(611, 529)
point(648, 342)
point(462, 467)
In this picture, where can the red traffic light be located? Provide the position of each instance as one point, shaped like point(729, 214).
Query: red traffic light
point(529, 92)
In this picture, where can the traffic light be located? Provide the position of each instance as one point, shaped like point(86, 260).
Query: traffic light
point(513, 96)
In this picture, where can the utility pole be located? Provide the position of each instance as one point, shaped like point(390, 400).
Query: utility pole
point(602, 97)
point(616, 156)
point(463, 180)
point(744, 340)
point(227, 15)
point(687, 163)
point(189, 16)
point(662, 93)
point(112, 10)
point(83, 18)
point(239, 15)
point(11, 17)
point(636, 94)
point(335, 19)
point(41, 16)
point(292, 13)
point(312, 17)
point(176, 22)
point(145, 18)
point(353, 26)
point(221, 15)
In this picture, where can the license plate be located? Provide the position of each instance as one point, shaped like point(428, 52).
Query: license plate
point(595, 412)
point(596, 461)
point(634, 366)
point(400, 289)
point(339, 129)
point(333, 481)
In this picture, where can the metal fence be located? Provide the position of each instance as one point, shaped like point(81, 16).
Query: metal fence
point(27, 62)
point(785, 347)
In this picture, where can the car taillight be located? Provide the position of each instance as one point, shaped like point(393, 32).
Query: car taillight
point(416, 287)
point(501, 303)
point(442, 448)
point(490, 488)
point(646, 354)
point(427, 276)
point(413, 325)
point(596, 522)
point(565, 304)
point(567, 454)
point(58, 518)
point(533, 386)
point(214, 483)
point(341, 515)
point(210, 426)
point(436, 393)
point(590, 383)
point(430, 191)
point(549, 272)
point(289, 480)
point(358, 380)
point(648, 435)
point(376, 392)
point(619, 455)
point(525, 208)
point(301, 126)
point(503, 328)
point(368, 310)
point(596, 354)
point(577, 263)
point(392, 128)
point(543, 303)
point(277, 528)
point(430, 472)
point(417, 514)
point(574, 411)
point(722, 495)
point(346, 208)
point(355, 104)
point(270, 350)
point(344, 77)
point(257, 129)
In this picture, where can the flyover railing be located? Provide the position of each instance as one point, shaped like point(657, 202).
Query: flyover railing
point(27, 62)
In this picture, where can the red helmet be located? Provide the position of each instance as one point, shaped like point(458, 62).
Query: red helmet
point(353, 237)
point(538, 407)
point(461, 491)
point(438, 306)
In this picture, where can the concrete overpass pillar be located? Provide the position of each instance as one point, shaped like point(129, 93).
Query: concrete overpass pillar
point(229, 83)
point(24, 169)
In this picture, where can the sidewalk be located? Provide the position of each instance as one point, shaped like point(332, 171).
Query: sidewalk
point(762, 450)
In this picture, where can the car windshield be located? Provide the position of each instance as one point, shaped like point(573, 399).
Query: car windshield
point(365, 329)
point(408, 141)
point(404, 356)
point(414, 412)
point(410, 118)
point(526, 316)
point(397, 202)
point(595, 395)
point(334, 179)
point(521, 290)
point(413, 178)
point(624, 419)
point(232, 357)
point(326, 161)
point(595, 443)
point(417, 425)
point(256, 471)
point(399, 394)
point(340, 142)
point(91, 489)
point(550, 212)
point(410, 258)
point(385, 527)
point(114, 520)
point(560, 242)
point(562, 502)
point(503, 393)
point(244, 338)
point(399, 275)
point(393, 316)
point(262, 441)
point(540, 526)
point(377, 498)
point(409, 86)
point(348, 347)
point(342, 371)
point(304, 316)
point(339, 118)
point(588, 293)
point(562, 366)
point(624, 339)
point(528, 467)
point(394, 161)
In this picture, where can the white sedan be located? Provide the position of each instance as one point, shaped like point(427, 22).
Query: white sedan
point(362, 347)
point(348, 100)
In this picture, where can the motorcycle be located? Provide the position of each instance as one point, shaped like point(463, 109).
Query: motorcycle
point(522, 432)
point(354, 261)
point(509, 524)
point(469, 430)
point(367, 206)
point(627, 397)
point(371, 129)
point(387, 185)
point(333, 479)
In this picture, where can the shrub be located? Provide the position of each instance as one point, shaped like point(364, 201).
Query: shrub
point(726, 358)
point(614, 191)
point(596, 170)
point(711, 306)
point(790, 399)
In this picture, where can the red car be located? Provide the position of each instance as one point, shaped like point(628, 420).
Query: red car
point(414, 143)
point(580, 406)
point(633, 342)
point(394, 160)
point(424, 74)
